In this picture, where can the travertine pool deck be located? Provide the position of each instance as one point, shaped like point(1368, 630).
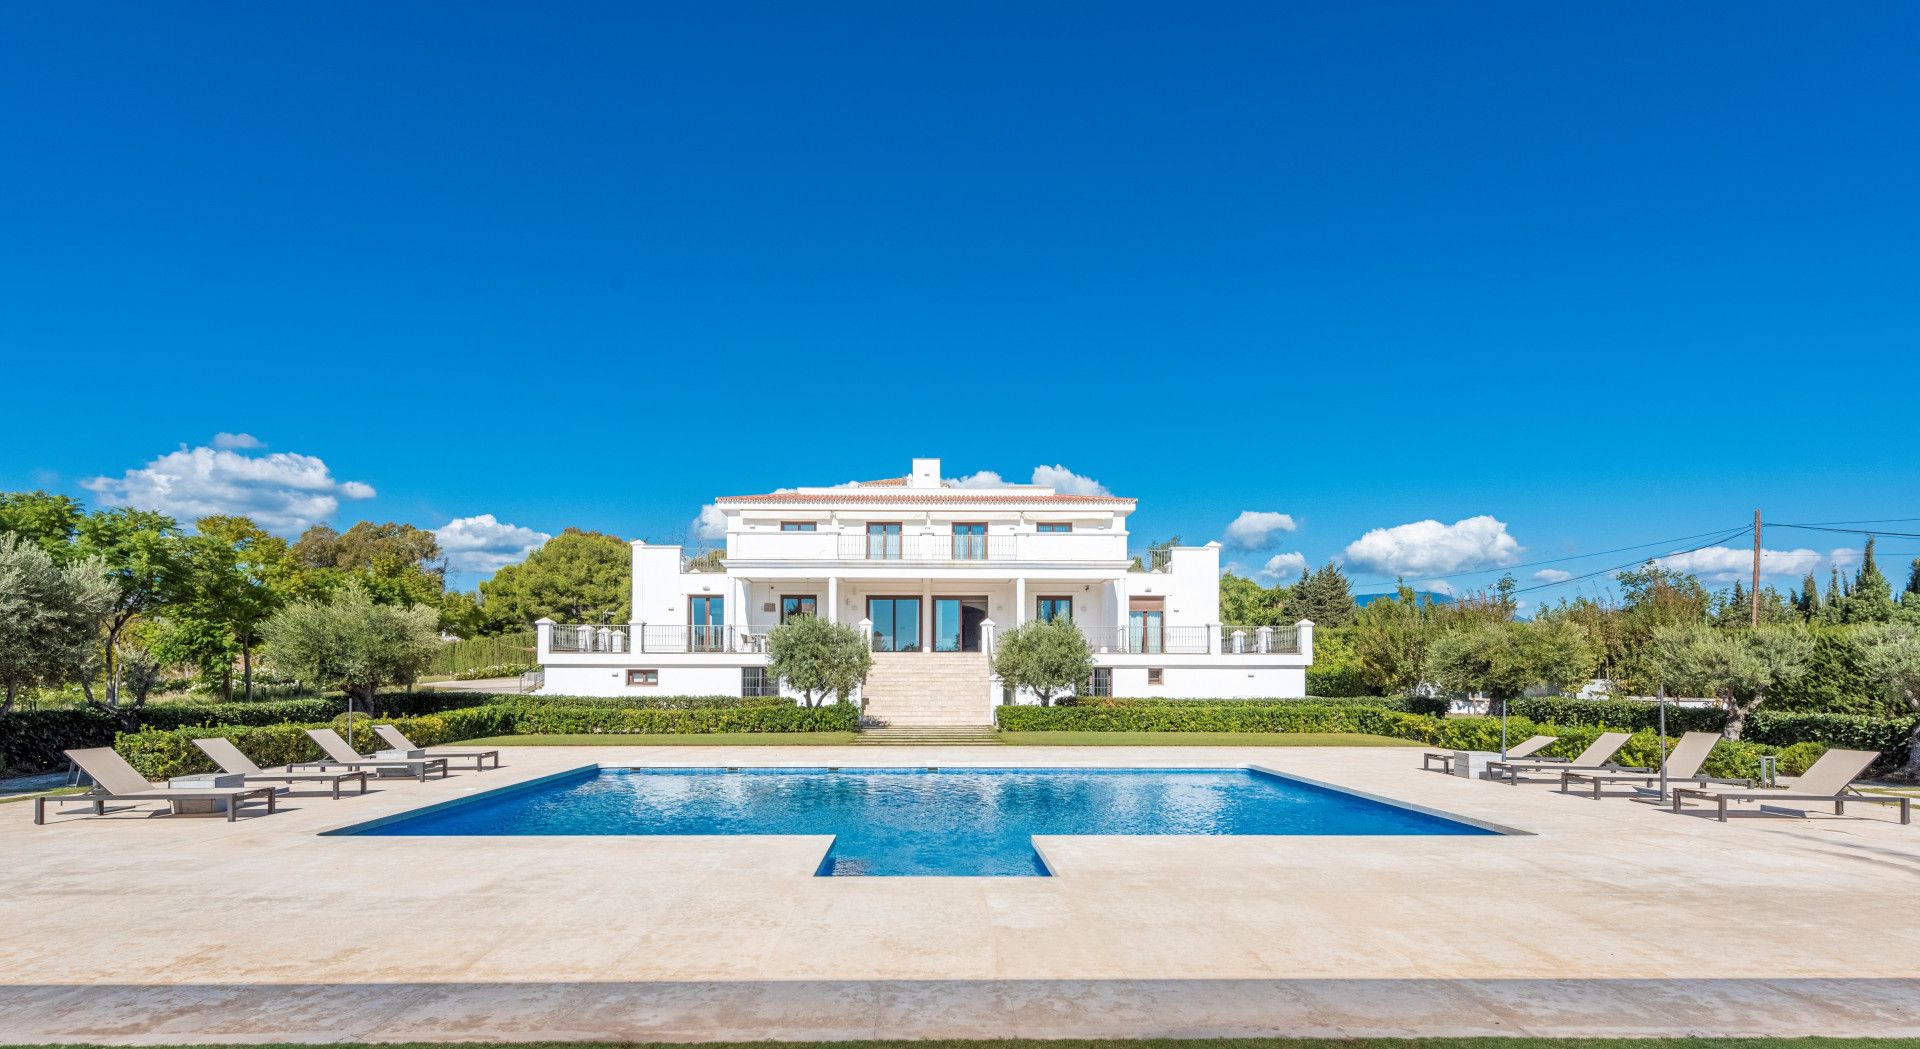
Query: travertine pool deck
point(1605, 918)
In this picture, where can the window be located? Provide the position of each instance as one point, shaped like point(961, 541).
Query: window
point(798, 526)
point(798, 605)
point(1047, 609)
point(1054, 526)
point(755, 682)
point(1101, 683)
point(883, 541)
point(646, 678)
point(969, 542)
point(1155, 676)
point(1145, 630)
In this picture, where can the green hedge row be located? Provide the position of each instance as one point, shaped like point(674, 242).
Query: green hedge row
point(1409, 704)
point(1618, 714)
point(31, 740)
point(159, 753)
point(1889, 736)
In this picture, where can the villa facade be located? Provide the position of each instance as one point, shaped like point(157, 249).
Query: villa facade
point(930, 573)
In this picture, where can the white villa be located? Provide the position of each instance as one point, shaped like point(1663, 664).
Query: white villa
point(929, 572)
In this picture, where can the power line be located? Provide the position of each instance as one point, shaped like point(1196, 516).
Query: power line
point(1721, 538)
point(1551, 560)
point(1849, 531)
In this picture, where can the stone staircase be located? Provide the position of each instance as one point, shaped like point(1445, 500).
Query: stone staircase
point(929, 736)
point(928, 689)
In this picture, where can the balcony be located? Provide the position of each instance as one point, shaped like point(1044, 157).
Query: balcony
point(1193, 640)
point(1101, 548)
point(645, 638)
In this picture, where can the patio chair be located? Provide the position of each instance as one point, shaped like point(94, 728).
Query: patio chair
point(229, 758)
point(1828, 779)
point(1681, 764)
point(342, 755)
point(115, 780)
point(1593, 758)
point(1521, 750)
point(398, 741)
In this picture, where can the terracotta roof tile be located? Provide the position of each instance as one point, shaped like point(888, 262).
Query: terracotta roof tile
point(943, 496)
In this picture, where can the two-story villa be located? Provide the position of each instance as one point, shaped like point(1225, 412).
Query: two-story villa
point(930, 573)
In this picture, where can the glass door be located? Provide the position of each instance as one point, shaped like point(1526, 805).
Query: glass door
point(896, 623)
point(883, 542)
point(956, 623)
point(1144, 633)
point(969, 542)
point(707, 624)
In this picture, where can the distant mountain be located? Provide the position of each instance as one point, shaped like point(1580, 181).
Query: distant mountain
point(1420, 595)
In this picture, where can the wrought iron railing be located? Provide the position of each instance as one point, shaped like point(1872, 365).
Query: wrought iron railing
point(660, 638)
point(1259, 641)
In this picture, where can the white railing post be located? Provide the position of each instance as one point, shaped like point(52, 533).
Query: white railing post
point(866, 631)
point(1239, 642)
point(1213, 639)
point(1263, 637)
point(640, 637)
point(543, 638)
point(1304, 630)
point(619, 640)
point(986, 648)
point(602, 640)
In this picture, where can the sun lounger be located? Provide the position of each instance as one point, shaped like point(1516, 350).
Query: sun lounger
point(229, 758)
point(1521, 750)
point(1828, 779)
point(398, 741)
point(115, 780)
point(340, 754)
point(1682, 765)
point(1593, 758)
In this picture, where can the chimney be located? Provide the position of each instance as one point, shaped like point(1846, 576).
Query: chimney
point(926, 474)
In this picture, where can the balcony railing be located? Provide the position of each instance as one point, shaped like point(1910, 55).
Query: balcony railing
point(957, 549)
point(1259, 641)
point(646, 638)
point(1192, 640)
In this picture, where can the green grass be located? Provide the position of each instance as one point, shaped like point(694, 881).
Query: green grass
point(1202, 739)
point(1156, 1044)
point(55, 792)
point(1164, 1043)
point(666, 739)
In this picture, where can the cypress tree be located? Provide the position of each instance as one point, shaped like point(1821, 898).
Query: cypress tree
point(1913, 577)
point(1809, 599)
point(1872, 597)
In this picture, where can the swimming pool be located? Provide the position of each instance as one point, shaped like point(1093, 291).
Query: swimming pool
point(887, 821)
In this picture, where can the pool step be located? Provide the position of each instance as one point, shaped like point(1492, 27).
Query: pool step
point(929, 736)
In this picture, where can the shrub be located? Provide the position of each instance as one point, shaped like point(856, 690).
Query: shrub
point(31, 740)
point(1631, 714)
point(1889, 736)
point(1796, 759)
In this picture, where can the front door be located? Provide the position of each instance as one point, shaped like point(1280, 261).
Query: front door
point(706, 624)
point(956, 623)
point(896, 623)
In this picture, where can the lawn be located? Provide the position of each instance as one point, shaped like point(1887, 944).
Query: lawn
point(1202, 739)
point(1171, 1043)
point(55, 792)
point(1166, 1044)
point(667, 739)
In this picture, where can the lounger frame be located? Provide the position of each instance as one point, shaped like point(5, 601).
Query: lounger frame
point(1839, 800)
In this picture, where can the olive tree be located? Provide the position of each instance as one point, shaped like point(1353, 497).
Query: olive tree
point(51, 616)
point(1891, 653)
point(1737, 667)
point(352, 642)
point(817, 659)
point(1504, 659)
point(1049, 657)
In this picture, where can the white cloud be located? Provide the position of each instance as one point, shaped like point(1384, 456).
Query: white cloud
point(711, 524)
point(283, 492)
point(983, 479)
point(234, 442)
point(1282, 565)
point(1230, 568)
point(1552, 575)
point(1066, 482)
point(483, 544)
point(1428, 547)
point(1724, 564)
point(1253, 528)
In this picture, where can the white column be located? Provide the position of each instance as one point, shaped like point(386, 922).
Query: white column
point(1305, 626)
point(926, 615)
point(1213, 639)
point(543, 638)
point(1265, 636)
point(833, 599)
point(993, 683)
point(1019, 600)
point(1120, 614)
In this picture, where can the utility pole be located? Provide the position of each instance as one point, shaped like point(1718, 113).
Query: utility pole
point(1754, 619)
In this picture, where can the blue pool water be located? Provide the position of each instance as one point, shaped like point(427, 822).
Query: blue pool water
point(920, 821)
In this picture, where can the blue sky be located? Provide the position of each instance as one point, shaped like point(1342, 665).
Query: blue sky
point(1604, 273)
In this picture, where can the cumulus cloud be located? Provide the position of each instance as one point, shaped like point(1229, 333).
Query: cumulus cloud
point(283, 492)
point(237, 441)
point(983, 479)
point(1282, 566)
point(484, 545)
point(1552, 575)
point(1066, 482)
point(1428, 547)
point(1253, 528)
point(1723, 564)
point(710, 524)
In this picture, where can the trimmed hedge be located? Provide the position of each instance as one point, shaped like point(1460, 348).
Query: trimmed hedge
point(1409, 704)
point(1630, 714)
point(31, 740)
point(160, 753)
point(1889, 736)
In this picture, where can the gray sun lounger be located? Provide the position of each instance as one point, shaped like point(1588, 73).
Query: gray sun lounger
point(342, 755)
point(229, 758)
point(1520, 750)
point(1682, 765)
point(1826, 780)
point(1594, 758)
point(115, 780)
point(398, 741)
